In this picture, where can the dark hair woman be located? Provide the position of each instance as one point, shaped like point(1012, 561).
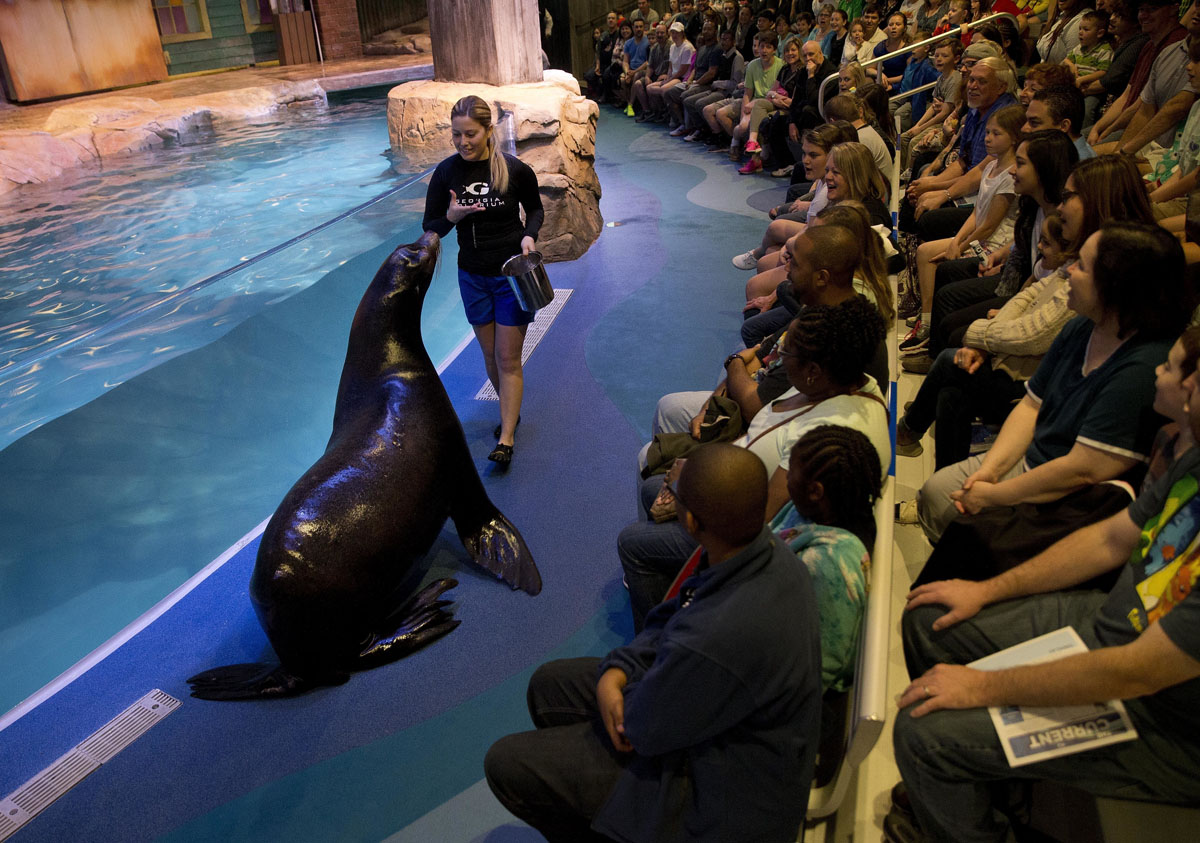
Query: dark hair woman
point(1087, 415)
point(966, 289)
point(997, 355)
point(483, 192)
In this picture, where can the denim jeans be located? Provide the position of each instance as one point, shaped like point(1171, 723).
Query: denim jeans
point(951, 760)
point(651, 555)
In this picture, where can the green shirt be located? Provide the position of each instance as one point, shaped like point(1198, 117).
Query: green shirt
point(759, 79)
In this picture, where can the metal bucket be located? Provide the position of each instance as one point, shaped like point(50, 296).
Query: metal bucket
point(528, 280)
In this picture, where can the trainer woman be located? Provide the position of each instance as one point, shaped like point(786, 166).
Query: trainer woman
point(483, 191)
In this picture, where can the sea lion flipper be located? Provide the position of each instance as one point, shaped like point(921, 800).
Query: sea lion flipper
point(254, 682)
point(497, 546)
point(420, 621)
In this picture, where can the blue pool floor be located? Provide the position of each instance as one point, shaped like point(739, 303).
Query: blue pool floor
point(185, 458)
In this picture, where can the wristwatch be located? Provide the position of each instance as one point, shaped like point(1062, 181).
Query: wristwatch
point(737, 355)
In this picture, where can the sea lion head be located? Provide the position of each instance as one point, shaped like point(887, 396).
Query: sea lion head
point(410, 268)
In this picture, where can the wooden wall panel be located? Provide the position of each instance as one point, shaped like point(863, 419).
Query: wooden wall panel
point(59, 47)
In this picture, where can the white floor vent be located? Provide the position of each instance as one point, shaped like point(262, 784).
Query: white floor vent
point(38, 793)
point(537, 329)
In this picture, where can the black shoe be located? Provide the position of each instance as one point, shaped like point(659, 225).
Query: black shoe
point(502, 455)
point(496, 432)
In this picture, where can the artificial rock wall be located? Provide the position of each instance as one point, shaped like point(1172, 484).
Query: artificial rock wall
point(555, 135)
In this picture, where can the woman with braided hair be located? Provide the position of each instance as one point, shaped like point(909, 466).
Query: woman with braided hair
point(825, 354)
point(833, 481)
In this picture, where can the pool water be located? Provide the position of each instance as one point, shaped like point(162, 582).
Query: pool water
point(172, 331)
point(117, 267)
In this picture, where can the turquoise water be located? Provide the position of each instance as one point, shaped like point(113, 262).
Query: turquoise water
point(109, 271)
point(172, 330)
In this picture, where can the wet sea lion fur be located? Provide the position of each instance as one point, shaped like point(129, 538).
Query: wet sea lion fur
point(329, 582)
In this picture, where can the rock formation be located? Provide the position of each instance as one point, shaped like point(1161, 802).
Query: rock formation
point(555, 130)
point(102, 127)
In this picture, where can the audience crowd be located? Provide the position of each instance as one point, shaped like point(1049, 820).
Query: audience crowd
point(1028, 184)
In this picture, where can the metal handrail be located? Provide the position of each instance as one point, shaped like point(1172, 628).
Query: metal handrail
point(909, 48)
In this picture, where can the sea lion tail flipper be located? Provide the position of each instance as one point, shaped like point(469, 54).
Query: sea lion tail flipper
point(420, 621)
point(496, 546)
point(254, 682)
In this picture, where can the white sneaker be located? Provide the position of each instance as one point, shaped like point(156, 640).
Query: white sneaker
point(746, 260)
point(906, 512)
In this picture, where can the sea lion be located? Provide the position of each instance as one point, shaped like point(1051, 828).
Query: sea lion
point(335, 556)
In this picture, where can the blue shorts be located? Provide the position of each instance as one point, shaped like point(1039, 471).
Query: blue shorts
point(489, 298)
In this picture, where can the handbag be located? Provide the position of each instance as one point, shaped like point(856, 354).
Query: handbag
point(978, 547)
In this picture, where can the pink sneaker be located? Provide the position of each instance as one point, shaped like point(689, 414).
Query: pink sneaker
point(752, 146)
point(754, 165)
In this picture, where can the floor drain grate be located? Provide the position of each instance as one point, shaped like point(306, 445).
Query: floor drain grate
point(537, 329)
point(37, 794)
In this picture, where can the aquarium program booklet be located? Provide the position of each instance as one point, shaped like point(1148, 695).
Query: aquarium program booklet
point(1036, 733)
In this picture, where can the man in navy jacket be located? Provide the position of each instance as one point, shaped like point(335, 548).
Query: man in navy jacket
point(705, 726)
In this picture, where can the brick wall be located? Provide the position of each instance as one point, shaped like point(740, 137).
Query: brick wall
point(338, 22)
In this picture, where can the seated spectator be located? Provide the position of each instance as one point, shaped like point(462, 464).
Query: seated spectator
point(1090, 60)
point(1129, 39)
point(698, 81)
point(1043, 76)
point(1170, 196)
point(734, 119)
point(850, 173)
point(616, 68)
point(1086, 417)
point(875, 107)
point(1141, 649)
point(967, 288)
point(928, 13)
point(824, 25)
point(778, 305)
point(803, 28)
point(802, 112)
point(725, 80)
point(918, 71)
point(1157, 96)
point(756, 376)
point(852, 107)
point(854, 42)
point(778, 99)
point(896, 37)
point(986, 375)
point(1062, 36)
point(1170, 401)
point(945, 95)
point(1062, 109)
point(634, 53)
point(824, 354)
point(655, 69)
point(790, 220)
point(872, 35)
point(851, 77)
point(833, 482)
point(681, 54)
point(706, 724)
point(594, 78)
point(990, 87)
point(834, 43)
point(644, 13)
point(958, 12)
point(987, 229)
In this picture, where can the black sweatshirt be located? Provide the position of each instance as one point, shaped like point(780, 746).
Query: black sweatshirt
point(486, 239)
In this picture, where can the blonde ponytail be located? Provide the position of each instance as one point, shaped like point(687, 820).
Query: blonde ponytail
point(475, 108)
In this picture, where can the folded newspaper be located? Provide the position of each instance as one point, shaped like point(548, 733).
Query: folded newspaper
point(1036, 733)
